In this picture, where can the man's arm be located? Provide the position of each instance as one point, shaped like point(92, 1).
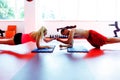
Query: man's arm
point(69, 40)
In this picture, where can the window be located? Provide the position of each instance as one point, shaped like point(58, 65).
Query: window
point(101, 10)
point(11, 10)
point(58, 9)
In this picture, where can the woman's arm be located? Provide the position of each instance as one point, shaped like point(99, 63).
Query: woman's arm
point(48, 39)
point(38, 43)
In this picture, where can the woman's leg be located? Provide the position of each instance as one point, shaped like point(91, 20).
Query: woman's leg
point(113, 40)
point(7, 41)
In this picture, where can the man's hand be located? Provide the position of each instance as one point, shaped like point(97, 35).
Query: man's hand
point(65, 45)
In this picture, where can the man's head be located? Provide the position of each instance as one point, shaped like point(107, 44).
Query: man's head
point(65, 31)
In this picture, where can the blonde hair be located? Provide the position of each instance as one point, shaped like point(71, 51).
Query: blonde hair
point(39, 33)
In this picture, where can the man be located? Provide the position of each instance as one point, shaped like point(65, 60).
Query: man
point(94, 38)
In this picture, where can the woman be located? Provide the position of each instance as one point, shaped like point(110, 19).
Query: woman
point(35, 36)
point(94, 38)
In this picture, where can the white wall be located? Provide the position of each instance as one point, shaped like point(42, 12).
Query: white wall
point(32, 22)
point(19, 24)
point(29, 20)
point(102, 27)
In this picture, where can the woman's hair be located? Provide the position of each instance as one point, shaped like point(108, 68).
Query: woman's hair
point(39, 32)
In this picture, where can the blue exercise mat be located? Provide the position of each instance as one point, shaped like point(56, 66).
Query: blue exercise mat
point(44, 50)
point(77, 49)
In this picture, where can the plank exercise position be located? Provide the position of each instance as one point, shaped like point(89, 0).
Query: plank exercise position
point(35, 36)
point(94, 38)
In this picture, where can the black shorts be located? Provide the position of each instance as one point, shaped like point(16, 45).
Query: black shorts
point(17, 38)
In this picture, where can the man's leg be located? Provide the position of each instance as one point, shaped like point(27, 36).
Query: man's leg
point(113, 40)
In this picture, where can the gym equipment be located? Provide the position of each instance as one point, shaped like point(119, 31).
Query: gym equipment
point(117, 28)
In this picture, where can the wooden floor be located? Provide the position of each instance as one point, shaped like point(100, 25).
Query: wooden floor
point(18, 63)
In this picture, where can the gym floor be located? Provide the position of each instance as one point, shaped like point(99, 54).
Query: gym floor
point(18, 63)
